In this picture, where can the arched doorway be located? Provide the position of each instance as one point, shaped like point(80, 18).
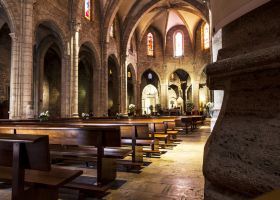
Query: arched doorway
point(85, 95)
point(113, 87)
point(52, 81)
point(48, 71)
point(178, 85)
point(131, 79)
point(5, 70)
point(150, 87)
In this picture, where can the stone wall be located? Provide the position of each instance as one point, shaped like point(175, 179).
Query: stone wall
point(242, 154)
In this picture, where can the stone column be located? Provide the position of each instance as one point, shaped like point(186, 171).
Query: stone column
point(123, 85)
point(14, 112)
point(75, 71)
point(164, 94)
point(218, 94)
point(26, 62)
point(103, 110)
point(195, 94)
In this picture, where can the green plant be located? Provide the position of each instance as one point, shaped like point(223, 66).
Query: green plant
point(158, 107)
point(151, 107)
point(189, 106)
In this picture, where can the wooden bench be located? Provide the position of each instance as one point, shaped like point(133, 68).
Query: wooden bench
point(25, 162)
point(62, 135)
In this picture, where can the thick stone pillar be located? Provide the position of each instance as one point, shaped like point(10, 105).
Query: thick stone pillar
point(164, 94)
point(123, 86)
point(75, 71)
point(195, 94)
point(218, 94)
point(15, 85)
point(241, 157)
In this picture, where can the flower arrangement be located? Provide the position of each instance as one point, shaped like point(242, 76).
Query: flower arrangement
point(44, 116)
point(131, 108)
point(85, 115)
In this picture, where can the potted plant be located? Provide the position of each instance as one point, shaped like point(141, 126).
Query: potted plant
point(158, 109)
point(85, 115)
point(44, 116)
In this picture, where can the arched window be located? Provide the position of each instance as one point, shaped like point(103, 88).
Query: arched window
point(206, 36)
point(112, 30)
point(178, 44)
point(87, 9)
point(150, 44)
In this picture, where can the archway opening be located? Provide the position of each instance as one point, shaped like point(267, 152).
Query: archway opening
point(113, 87)
point(52, 81)
point(178, 85)
point(150, 87)
point(5, 70)
point(85, 95)
point(130, 85)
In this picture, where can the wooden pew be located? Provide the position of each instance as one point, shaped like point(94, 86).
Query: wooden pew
point(25, 161)
point(62, 135)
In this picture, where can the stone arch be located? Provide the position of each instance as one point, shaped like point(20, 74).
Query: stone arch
point(131, 85)
point(54, 27)
point(86, 67)
point(179, 81)
point(5, 70)
point(113, 85)
point(7, 11)
point(151, 78)
point(49, 70)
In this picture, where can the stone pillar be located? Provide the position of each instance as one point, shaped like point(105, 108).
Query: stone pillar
point(164, 95)
point(241, 156)
point(195, 94)
point(123, 86)
point(75, 71)
point(218, 94)
point(14, 112)
point(103, 110)
point(21, 99)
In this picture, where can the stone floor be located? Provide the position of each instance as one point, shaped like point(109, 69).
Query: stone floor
point(176, 175)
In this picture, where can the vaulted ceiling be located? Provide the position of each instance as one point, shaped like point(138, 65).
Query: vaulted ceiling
point(136, 16)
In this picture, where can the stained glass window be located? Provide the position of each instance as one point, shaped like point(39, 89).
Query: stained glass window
point(178, 44)
point(150, 44)
point(206, 36)
point(87, 9)
point(150, 76)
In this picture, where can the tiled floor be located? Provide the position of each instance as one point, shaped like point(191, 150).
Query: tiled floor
point(176, 175)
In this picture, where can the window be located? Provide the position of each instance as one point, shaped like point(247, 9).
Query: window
point(112, 30)
point(178, 44)
point(206, 36)
point(150, 44)
point(87, 9)
point(129, 74)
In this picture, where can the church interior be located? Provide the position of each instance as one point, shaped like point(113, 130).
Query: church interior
point(139, 99)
